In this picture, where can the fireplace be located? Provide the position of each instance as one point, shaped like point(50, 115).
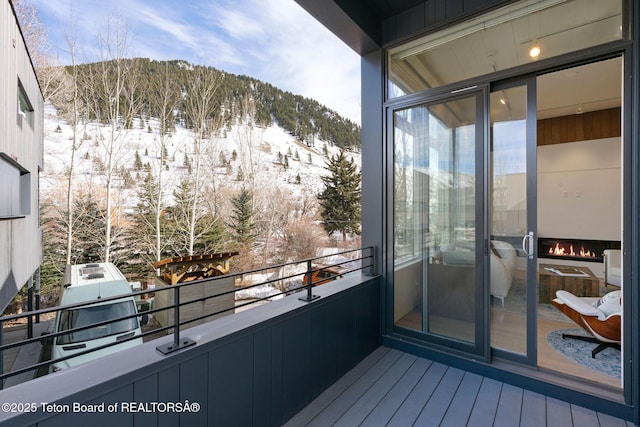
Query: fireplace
point(574, 249)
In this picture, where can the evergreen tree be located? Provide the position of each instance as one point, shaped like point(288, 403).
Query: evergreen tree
point(340, 199)
point(137, 162)
point(241, 224)
point(223, 159)
point(127, 179)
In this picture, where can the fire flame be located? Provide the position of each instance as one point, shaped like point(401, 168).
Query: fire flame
point(558, 250)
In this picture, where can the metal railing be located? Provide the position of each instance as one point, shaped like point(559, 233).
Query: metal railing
point(285, 279)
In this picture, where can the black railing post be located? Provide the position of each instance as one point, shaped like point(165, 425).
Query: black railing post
point(309, 276)
point(30, 307)
point(1, 353)
point(176, 316)
point(177, 343)
point(372, 268)
point(38, 294)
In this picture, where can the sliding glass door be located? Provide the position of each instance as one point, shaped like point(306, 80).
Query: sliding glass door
point(438, 221)
point(512, 221)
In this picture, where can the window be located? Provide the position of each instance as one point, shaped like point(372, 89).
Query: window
point(85, 316)
point(25, 110)
point(15, 200)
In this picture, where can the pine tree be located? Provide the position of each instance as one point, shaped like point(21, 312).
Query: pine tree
point(340, 199)
point(223, 159)
point(241, 223)
point(137, 162)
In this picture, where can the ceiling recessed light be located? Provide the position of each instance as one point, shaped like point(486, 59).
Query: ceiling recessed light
point(502, 101)
point(534, 52)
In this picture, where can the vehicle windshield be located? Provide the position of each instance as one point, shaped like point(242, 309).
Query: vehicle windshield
point(85, 316)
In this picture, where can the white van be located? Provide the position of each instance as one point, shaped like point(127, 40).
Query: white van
point(86, 283)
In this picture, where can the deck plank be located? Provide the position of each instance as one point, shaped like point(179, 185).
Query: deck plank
point(412, 406)
point(462, 404)
point(584, 417)
point(509, 407)
point(383, 412)
point(440, 401)
point(558, 413)
point(533, 410)
point(486, 405)
point(329, 395)
point(344, 401)
point(609, 421)
point(356, 414)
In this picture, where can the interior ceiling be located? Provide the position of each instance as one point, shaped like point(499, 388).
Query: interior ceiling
point(481, 47)
point(591, 87)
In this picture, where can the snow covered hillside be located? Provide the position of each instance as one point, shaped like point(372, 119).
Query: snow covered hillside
point(265, 159)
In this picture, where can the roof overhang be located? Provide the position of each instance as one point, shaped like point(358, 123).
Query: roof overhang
point(358, 23)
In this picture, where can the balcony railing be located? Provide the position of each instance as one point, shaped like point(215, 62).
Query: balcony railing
point(288, 278)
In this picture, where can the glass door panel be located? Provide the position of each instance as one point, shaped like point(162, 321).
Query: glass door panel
point(438, 261)
point(512, 222)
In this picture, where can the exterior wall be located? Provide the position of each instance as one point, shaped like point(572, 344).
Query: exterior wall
point(20, 144)
point(258, 367)
point(432, 14)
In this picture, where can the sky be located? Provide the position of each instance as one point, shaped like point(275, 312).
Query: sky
point(272, 40)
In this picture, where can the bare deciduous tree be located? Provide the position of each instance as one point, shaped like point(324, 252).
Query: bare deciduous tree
point(166, 98)
point(73, 117)
point(203, 115)
point(248, 138)
point(116, 85)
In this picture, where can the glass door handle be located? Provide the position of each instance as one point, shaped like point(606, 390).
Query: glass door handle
point(527, 244)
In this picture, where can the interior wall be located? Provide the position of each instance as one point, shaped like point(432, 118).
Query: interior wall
point(579, 190)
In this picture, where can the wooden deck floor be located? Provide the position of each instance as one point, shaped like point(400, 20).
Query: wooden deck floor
point(392, 388)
